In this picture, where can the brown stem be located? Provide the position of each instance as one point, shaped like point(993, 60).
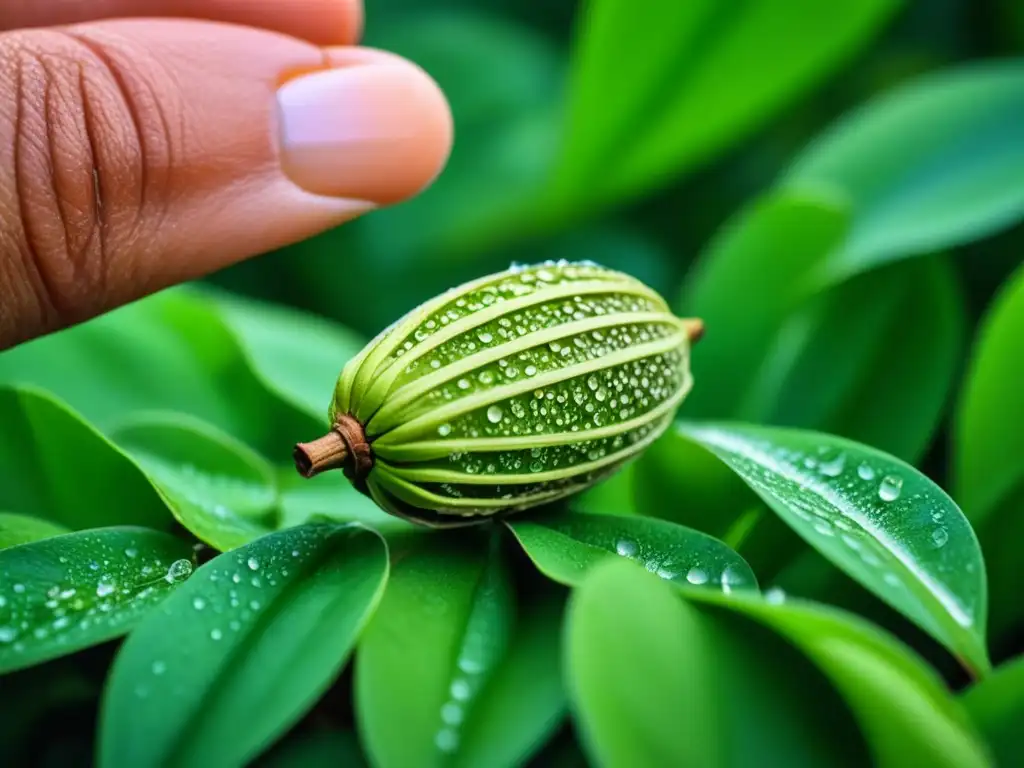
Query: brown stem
point(320, 455)
point(694, 329)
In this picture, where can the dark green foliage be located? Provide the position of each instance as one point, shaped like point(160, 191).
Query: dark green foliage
point(817, 564)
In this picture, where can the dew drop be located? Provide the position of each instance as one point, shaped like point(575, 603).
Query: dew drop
point(460, 690)
point(179, 570)
point(253, 564)
point(940, 536)
point(485, 337)
point(775, 596)
point(697, 576)
point(451, 713)
point(833, 467)
point(447, 740)
point(890, 488)
point(198, 603)
point(159, 667)
point(444, 430)
point(3, 601)
point(626, 548)
point(731, 578)
point(463, 384)
point(865, 472)
point(494, 414)
point(216, 634)
point(7, 634)
point(18, 588)
point(131, 552)
point(105, 588)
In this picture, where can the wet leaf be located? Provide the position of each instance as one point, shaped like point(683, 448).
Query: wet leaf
point(656, 680)
point(243, 650)
point(69, 592)
point(996, 705)
point(565, 545)
point(58, 467)
point(21, 529)
point(426, 665)
point(873, 516)
point(524, 701)
point(217, 488)
point(929, 165)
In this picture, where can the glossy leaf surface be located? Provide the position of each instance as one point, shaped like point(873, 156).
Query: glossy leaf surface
point(218, 488)
point(564, 546)
point(243, 650)
point(875, 517)
point(69, 592)
point(931, 164)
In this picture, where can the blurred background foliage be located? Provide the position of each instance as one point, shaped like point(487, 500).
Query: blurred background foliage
point(835, 188)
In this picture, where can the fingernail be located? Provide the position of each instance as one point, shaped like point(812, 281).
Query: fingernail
point(373, 132)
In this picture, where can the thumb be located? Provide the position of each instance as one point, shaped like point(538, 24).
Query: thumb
point(138, 154)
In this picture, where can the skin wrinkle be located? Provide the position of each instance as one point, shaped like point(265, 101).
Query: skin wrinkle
point(142, 153)
point(33, 272)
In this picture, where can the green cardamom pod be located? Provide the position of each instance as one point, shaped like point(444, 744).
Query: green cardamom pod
point(507, 392)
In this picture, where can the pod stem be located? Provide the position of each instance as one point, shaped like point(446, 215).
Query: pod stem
point(320, 455)
point(694, 328)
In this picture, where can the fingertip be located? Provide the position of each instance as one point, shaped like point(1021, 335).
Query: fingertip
point(374, 127)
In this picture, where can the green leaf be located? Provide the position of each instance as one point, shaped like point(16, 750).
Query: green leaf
point(932, 164)
point(787, 347)
point(330, 496)
point(59, 468)
point(524, 701)
point(170, 352)
point(297, 355)
point(429, 669)
point(988, 457)
point(996, 705)
point(658, 681)
point(658, 91)
point(564, 546)
point(614, 496)
point(679, 481)
point(240, 653)
point(875, 517)
point(22, 529)
point(217, 488)
point(69, 592)
point(836, 355)
point(927, 324)
point(750, 279)
point(902, 706)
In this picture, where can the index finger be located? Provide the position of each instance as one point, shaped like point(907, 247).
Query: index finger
point(324, 22)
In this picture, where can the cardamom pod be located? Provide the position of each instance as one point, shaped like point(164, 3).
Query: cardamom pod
point(507, 392)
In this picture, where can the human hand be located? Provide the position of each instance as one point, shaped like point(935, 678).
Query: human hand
point(136, 153)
